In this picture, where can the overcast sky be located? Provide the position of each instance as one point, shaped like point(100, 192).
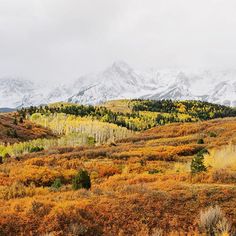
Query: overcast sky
point(60, 40)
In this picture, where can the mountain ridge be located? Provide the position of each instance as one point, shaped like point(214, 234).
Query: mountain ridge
point(120, 81)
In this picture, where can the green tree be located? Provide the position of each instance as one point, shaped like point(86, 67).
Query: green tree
point(197, 164)
point(91, 140)
point(81, 180)
point(159, 118)
point(57, 183)
point(12, 133)
point(212, 134)
point(200, 141)
point(21, 120)
point(15, 121)
point(36, 149)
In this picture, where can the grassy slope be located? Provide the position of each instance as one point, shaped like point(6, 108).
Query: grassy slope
point(25, 131)
point(124, 105)
point(183, 110)
point(124, 198)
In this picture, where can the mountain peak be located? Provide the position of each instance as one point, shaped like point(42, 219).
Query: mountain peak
point(121, 81)
point(121, 65)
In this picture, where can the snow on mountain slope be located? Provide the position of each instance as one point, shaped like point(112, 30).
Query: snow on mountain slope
point(121, 81)
point(14, 91)
point(116, 82)
point(213, 86)
point(179, 89)
point(224, 93)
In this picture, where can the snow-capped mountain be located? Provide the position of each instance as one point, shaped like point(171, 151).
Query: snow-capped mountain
point(15, 93)
point(116, 82)
point(121, 81)
point(179, 89)
point(225, 93)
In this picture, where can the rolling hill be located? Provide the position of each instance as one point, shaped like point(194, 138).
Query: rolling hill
point(13, 129)
point(136, 114)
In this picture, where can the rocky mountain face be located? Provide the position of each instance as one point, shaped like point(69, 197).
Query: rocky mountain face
point(121, 81)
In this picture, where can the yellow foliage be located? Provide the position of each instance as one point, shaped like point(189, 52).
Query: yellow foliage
point(222, 158)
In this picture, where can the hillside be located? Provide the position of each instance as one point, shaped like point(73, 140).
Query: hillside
point(138, 114)
point(13, 129)
point(198, 109)
point(140, 185)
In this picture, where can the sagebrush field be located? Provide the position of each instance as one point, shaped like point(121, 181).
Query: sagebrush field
point(91, 174)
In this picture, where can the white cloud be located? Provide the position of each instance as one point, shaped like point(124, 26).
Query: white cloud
point(62, 39)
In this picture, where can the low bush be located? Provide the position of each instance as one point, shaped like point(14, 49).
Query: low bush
point(200, 141)
point(16, 190)
point(81, 180)
point(36, 149)
point(213, 222)
point(224, 176)
point(56, 184)
point(212, 134)
point(154, 171)
point(109, 170)
point(12, 133)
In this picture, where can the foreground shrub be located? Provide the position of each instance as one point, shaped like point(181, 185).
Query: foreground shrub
point(42, 175)
point(16, 190)
point(70, 221)
point(56, 184)
point(108, 170)
point(200, 141)
point(39, 208)
point(212, 134)
point(36, 149)
point(154, 171)
point(12, 133)
point(157, 232)
point(213, 222)
point(224, 176)
point(81, 180)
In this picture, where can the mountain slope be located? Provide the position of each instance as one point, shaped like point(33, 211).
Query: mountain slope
point(15, 93)
point(120, 81)
point(13, 131)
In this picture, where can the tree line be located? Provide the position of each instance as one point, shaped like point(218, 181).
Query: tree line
point(163, 112)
